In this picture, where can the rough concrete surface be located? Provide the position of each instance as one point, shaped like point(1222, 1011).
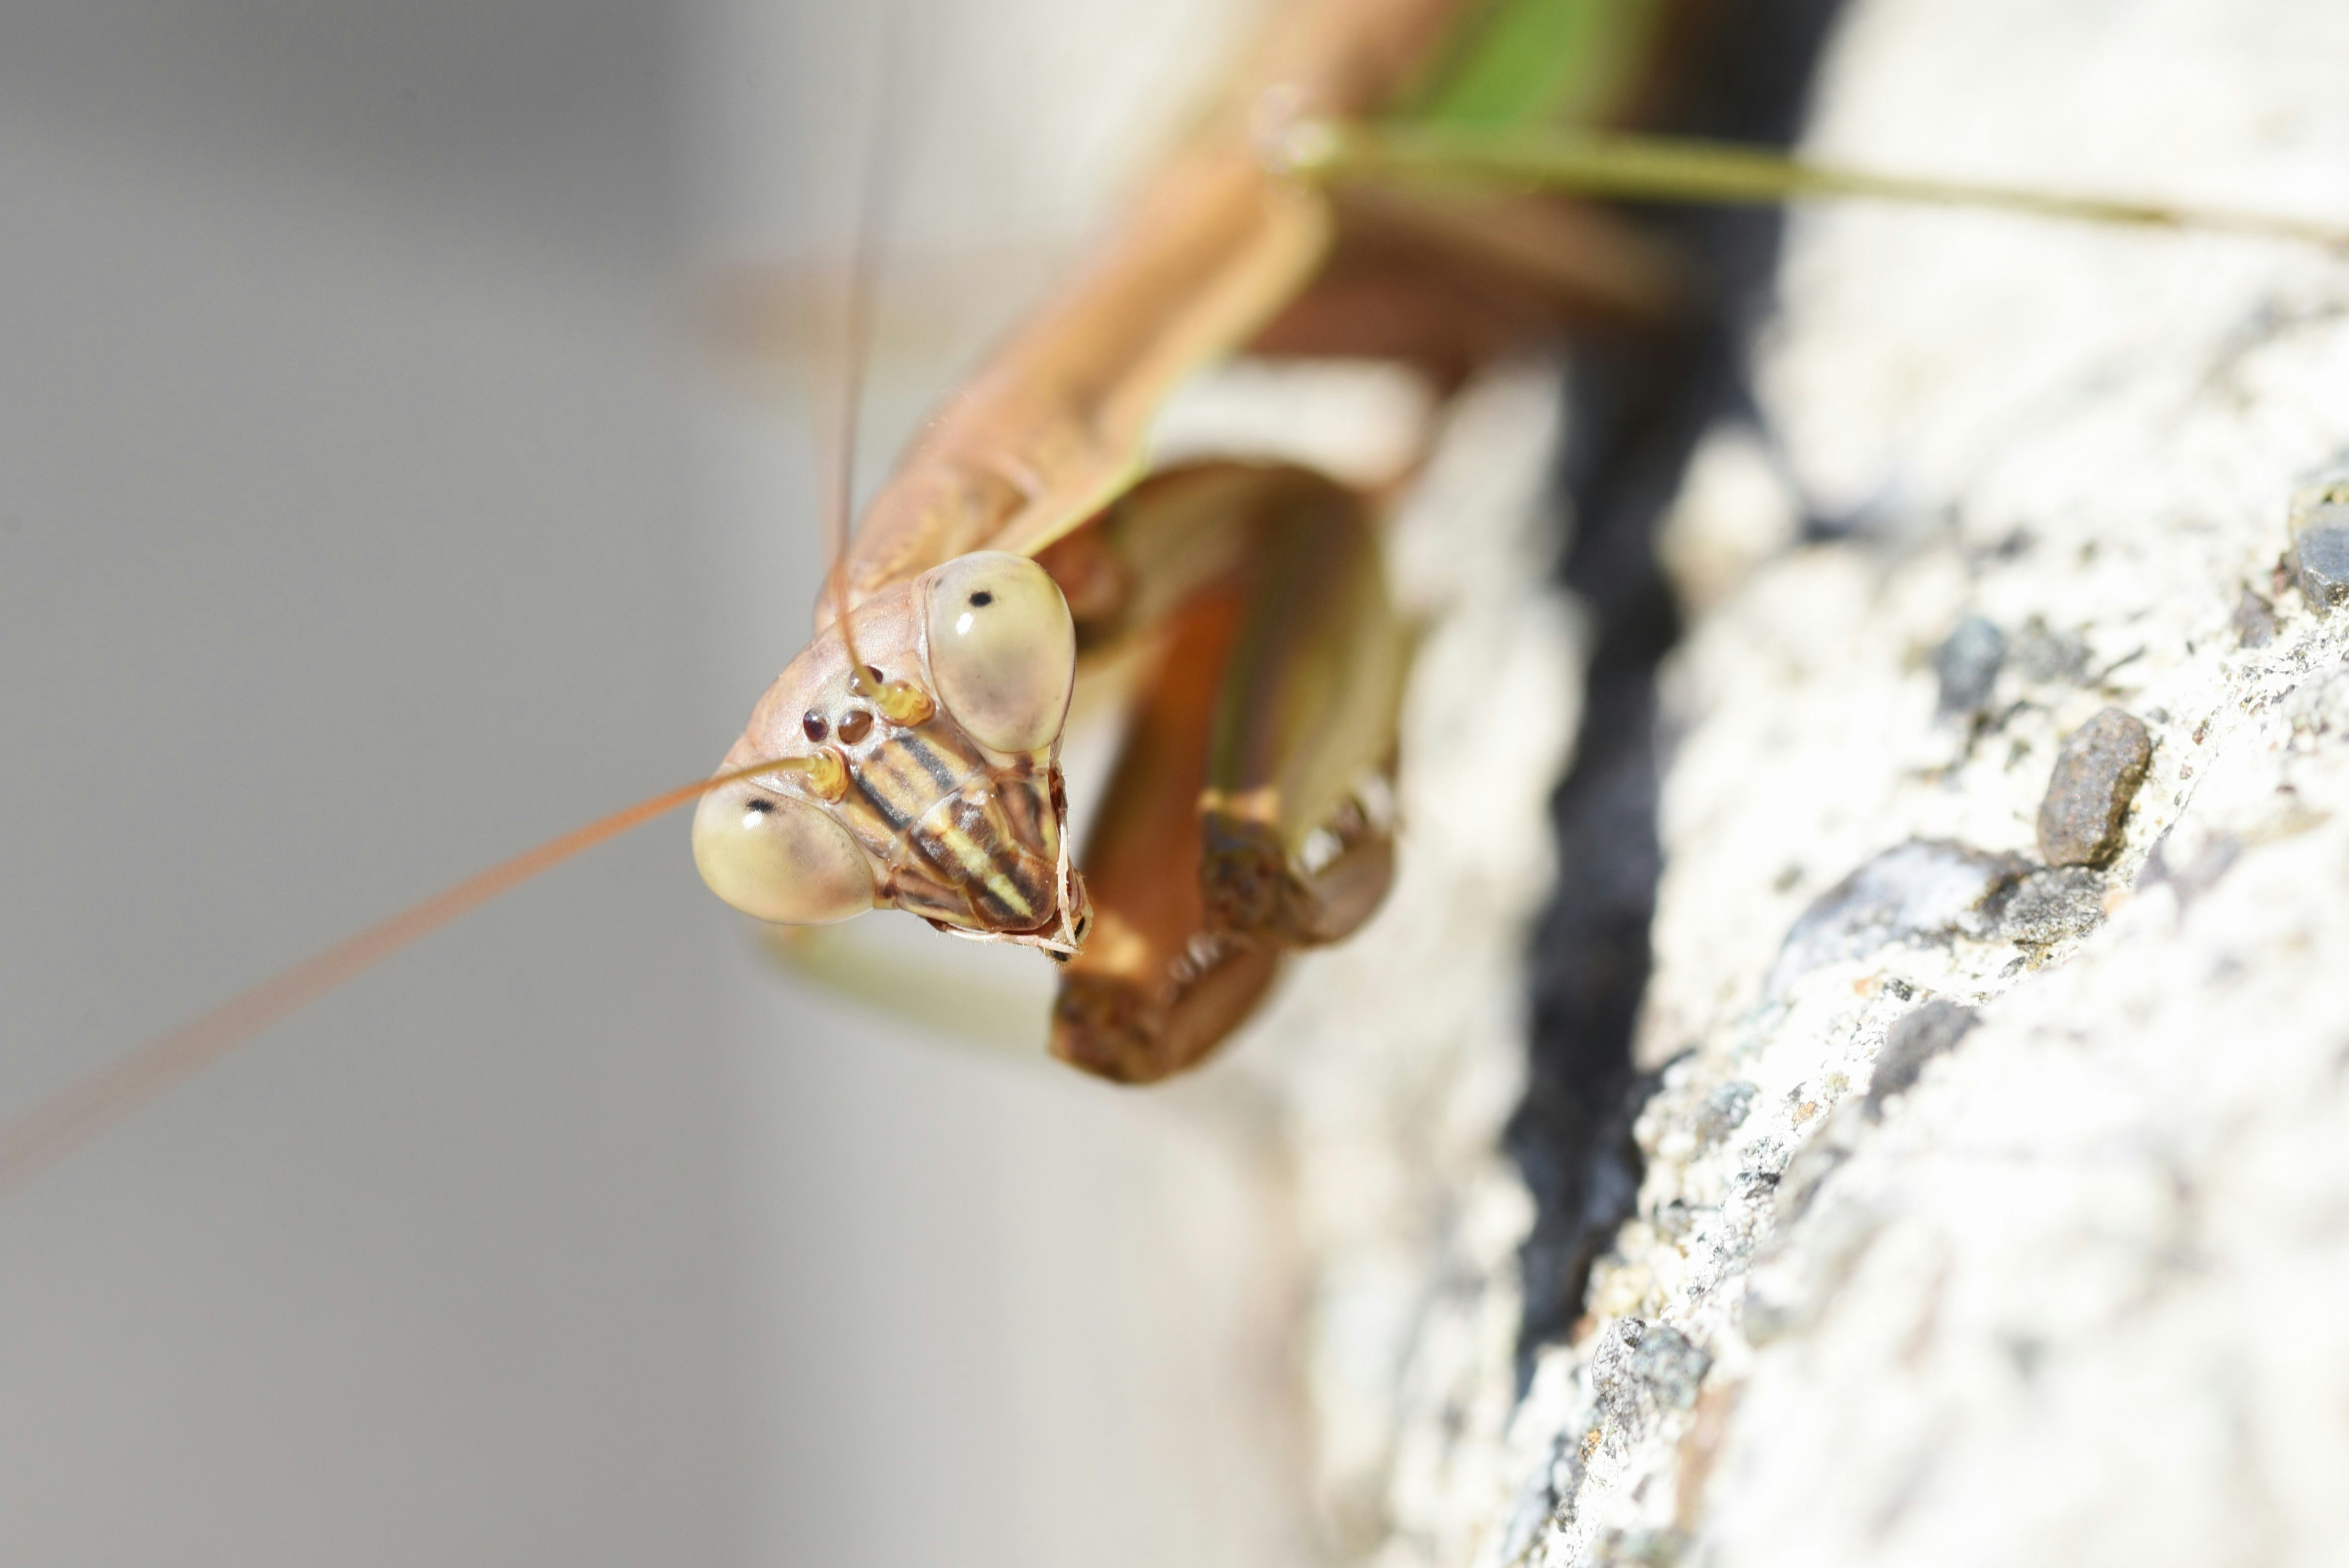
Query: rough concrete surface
point(1993, 1211)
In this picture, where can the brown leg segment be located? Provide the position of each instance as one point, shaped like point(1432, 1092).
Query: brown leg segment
point(1298, 840)
point(1449, 281)
point(1243, 817)
point(1154, 991)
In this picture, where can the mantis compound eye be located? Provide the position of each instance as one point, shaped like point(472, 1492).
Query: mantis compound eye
point(1003, 650)
point(778, 858)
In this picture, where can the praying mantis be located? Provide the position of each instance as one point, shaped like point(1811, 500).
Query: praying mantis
point(1247, 815)
point(1018, 527)
point(614, 784)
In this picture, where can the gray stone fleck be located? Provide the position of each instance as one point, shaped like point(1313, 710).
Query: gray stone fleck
point(1611, 1372)
point(1722, 1111)
point(1642, 1371)
point(2049, 658)
point(1916, 1040)
point(2052, 906)
point(1966, 664)
point(2254, 621)
point(2097, 771)
point(1925, 890)
point(1672, 1365)
point(2320, 559)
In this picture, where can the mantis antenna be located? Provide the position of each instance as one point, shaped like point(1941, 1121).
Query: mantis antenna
point(61, 1124)
point(55, 1127)
point(900, 700)
point(836, 436)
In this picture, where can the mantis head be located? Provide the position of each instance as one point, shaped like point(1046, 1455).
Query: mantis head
point(928, 780)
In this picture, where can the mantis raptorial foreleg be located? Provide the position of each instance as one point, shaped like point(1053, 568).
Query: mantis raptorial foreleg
point(1295, 805)
point(1246, 814)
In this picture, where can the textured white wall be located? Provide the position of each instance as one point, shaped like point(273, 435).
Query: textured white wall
point(2071, 1295)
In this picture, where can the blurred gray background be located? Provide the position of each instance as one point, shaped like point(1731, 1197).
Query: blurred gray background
point(368, 511)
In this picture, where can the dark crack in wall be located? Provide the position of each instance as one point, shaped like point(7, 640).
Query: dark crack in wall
point(1639, 403)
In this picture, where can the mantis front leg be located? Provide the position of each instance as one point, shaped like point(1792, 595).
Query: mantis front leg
point(1248, 813)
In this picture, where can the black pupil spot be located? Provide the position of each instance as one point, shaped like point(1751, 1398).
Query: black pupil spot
point(813, 727)
point(982, 600)
point(760, 808)
point(873, 673)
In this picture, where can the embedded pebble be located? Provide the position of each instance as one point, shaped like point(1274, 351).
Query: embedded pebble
point(2049, 658)
point(2254, 621)
point(1671, 1365)
point(1967, 665)
point(2097, 772)
point(1916, 1040)
point(1643, 1371)
point(1923, 889)
point(1722, 1112)
point(2320, 559)
point(2052, 906)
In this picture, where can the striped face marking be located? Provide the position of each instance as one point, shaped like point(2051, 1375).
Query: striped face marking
point(961, 808)
point(969, 842)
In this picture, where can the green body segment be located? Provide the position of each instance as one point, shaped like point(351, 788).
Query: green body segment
point(1526, 62)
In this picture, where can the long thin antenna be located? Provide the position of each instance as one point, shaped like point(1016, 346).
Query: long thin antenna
point(54, 1128)
point(1673, 168)
point(899, 699)
point(51, 1130)
point(839, 436)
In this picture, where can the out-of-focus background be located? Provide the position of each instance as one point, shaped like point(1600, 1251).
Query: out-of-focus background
point(370, 508)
